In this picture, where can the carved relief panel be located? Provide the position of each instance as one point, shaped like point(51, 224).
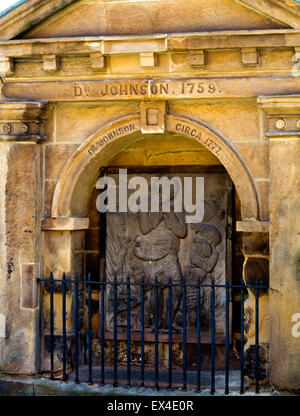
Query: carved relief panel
point(163, 244)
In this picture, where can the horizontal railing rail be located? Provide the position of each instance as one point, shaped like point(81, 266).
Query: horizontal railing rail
point(82, 289)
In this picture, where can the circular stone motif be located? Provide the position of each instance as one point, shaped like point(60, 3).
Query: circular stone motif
point(7, 128)
point(280, 124)
point(298, 124)
point(24, 128)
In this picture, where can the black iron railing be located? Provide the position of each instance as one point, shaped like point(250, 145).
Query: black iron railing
point(79, 289)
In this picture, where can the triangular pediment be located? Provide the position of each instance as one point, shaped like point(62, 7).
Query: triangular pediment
point(63, 18)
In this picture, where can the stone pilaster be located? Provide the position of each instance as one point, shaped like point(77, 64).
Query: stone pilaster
point(282, 127)
point(255, 248)
point(20, 234)
point(256, 268)
point(63, 252)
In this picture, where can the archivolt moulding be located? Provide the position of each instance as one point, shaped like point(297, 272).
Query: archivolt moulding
point(81, 171)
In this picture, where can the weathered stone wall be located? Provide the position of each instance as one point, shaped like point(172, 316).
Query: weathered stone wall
point(21, 242)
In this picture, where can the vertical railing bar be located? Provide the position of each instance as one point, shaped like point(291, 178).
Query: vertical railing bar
point(170, 313)
point(198, 338)
point(257, 358)
point(142, 294)
point(128, 333)
point(76, 330)
point(156, 376)
point(184, 384)
point(102, 289)
point(51, 327)
point(212, 382)
point(227, 339)
point(242, 357)
point(90, 352)
point(64, 340)
point(115, 317)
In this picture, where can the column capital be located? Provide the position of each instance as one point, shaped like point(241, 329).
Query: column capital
point(64, 224)
point(252, 226)
point(281, 116)
point(22, 120)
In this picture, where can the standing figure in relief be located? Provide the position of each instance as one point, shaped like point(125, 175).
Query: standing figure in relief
point(157, 247)
point(203, 260)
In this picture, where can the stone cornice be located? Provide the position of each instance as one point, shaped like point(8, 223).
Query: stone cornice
point(280, 104)
point(148, 47)
point(109, 45)
point(21, 121)
point(281, 116)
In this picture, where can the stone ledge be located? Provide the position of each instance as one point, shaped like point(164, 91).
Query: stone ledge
point(156, 43)
point(64, 224)
point(22, 138)
point(252, 226)
point(33, 386)
point(22, 120)
point(280, 104)
point(282, 134)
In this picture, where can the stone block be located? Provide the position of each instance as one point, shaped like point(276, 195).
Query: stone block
point(65, 224)
point(97, 61)
point(78, 240)
point(256, 155)
point(51, 63)
point(75, 123)
point(48, 196)
point(224, 117)
point(56, 156)
point(57, 261)
point(255, 244)
point(130, 158)
point(252, 226)
point(148, 59)
point(29, 292)
point(6, 66)
point(153, 117)
point(257, 269)
point(263, 191)
point(197, 58)
point(16, 387)
point(249, 56)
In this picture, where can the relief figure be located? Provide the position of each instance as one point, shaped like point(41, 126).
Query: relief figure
point(157, 248)
point(203, 259)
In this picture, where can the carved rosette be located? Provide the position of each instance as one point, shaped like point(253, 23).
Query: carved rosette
point(22, 121)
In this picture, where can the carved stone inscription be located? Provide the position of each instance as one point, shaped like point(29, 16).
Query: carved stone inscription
point(147, 88)
point(144, 89)
point(111, 135)
point(164, 245)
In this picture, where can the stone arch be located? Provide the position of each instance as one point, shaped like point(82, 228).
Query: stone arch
point(81, 171)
